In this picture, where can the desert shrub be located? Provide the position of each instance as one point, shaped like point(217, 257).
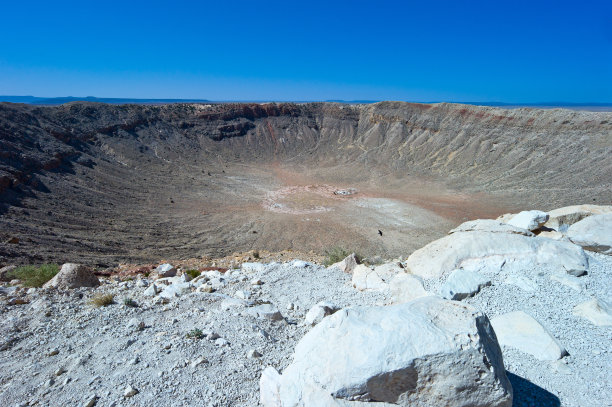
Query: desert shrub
point(195, 334)
point(193, 273)
point(102, 300)
point(130, 303)
point(34, 276)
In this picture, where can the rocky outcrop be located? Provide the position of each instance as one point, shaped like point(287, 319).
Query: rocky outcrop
point(73, 276)
point(426, 352)
point(490, 250)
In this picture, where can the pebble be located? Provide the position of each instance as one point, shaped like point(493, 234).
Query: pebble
point(130, 391)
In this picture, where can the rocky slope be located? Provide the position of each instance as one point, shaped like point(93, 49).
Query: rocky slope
point(517, 327)
point(135, 182)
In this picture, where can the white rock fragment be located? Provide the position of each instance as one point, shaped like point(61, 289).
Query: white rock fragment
point(166, 270)
point(462, 284)
point(450, 347)
point(348, 264)
point(199, 361)
point(91, 401)
point(266, 311)
point(530, 220)
point(521, 331)
point(151, 291)
point(405, 287)
point(130, 391)
point(319, 311)
point(599, 312)
point(299, 264)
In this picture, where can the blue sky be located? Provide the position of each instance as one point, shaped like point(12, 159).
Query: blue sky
point(519, 51)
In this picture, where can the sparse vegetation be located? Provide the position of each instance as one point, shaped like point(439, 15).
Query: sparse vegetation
point(34, 276)
point(130, 303)
point(102, 300)
point(336, 254)
point(193, 273)
point(195, 334)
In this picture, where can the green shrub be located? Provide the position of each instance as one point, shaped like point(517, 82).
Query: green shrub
point(34, 276)
point(102, 300)
point(130, 303)
point(195, 334)
point(193, 273)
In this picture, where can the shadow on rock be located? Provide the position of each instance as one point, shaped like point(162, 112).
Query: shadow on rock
point(529, 394)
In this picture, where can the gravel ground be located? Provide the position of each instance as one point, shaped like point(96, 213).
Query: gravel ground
point(59, 350)
point(580, 379)
point(103, 350)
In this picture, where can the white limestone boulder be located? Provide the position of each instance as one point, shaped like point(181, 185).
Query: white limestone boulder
point(521, 331)
point(593, 233)
point(462, 284)
point(426, 352)
point(530, 220)
point(562, 218)
point(599, 312)
point(405, 287)
point(488, 251)
point(377, 279)
point(73, 275)
point(489, 225)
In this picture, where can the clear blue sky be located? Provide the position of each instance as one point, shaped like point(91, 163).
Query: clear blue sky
point(510, 51)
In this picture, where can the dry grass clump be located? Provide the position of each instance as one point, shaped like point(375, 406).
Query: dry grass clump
point(102, 300)
point(34, 276)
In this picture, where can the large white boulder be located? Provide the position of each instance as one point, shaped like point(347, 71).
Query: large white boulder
point(561, 219)
point(487, 251)
point(599, 312)
point(490, 225)
point(405, 287)
point(521, 331)
point(428, 352)
point(73, 275)
point(530, 220)
point(593, 233)
point(462, 284)
point(377, 279)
